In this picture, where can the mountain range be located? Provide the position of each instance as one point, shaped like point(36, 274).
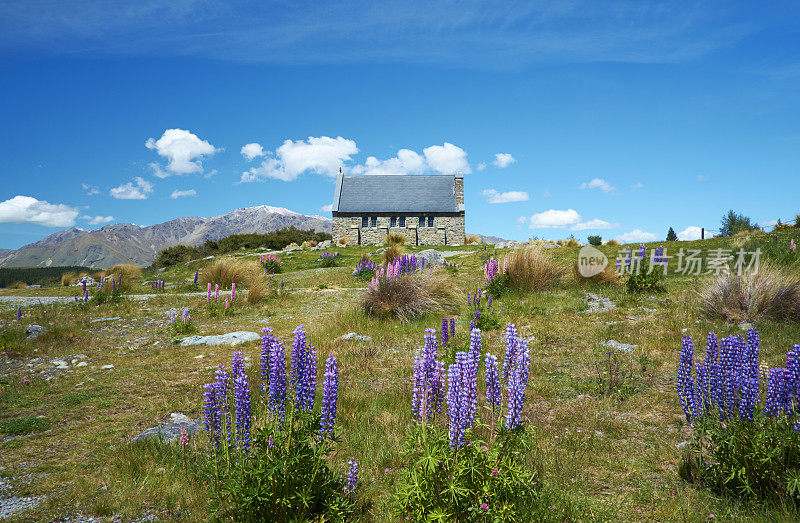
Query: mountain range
point(131, 243)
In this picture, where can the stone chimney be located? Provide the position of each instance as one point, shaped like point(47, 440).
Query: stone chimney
point(459, 189)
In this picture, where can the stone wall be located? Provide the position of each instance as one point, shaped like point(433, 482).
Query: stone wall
point(447, 230)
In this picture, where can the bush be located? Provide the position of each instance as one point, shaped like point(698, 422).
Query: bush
point(741, 447)
point(409, 296)
point(671, 236)
point(106, 295)
point(644, 281)
point(270, 263)
point(771, 293)
point(175, 255)
point(733, 223)
point(131, 274)
point(68, 278)
point(531, 269)
point(612, 242)
point(226, 271)
point(595, 240)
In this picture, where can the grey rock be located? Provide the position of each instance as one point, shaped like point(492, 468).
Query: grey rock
point(107, 367)
point(325, 244)
point(231, 338)
point(292, 248)
point(622, 347)
point(745, 326)
point(81, 364)
point(34, 331)
point(96, 320)
point(598, 303)
point(14, 506)
point(354, 336)
point(171, 429)
point(431, 256)
point(683, 445)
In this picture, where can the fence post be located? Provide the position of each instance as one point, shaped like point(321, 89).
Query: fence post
point(702, 233)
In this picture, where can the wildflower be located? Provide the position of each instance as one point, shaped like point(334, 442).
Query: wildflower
point(276, 390)
point(452, 327)
point(196, 273)
point(484, 506)
point(19, 313)
point(445, 331)
point(516, 384)
point(227, 304)
point(233, 291)
point(330, 390)
point(352, 475)
point(270, 444)
point(216, 291)
point(241, 393)
point(493, 391)
point(185, 316)
point(495, 473)
point(475, 344)
point(304, 370)
point(211, 411)
point(461, 396)
point(184, 436)
point(428, 386)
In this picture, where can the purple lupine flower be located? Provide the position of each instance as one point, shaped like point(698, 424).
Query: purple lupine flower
point(475, 344)
point(462, 394)
point(516, 385)
point(489, 301)
point(221, 388)
point(428, 385)
point(511, 349)
point(233, 291)
point(267, 339)
point(208, 292)
point(196, 274)
point(19, 313)
point(793, 367)
point(684, 382)
point(469, 300)
point(243, 412)
point(216, 292)
point(276, 391)
point(471, 325)
point(352, 475)
point(185, 315)
point(330, 391)
point(702, 386)
point(493, 390)
point(172, 315)
point(628, 257)
point(452, 325)
point(211, 411)
point(304, 370)
point(779, 395)
point(445, 331)
point(281, 284)
point(642, 251)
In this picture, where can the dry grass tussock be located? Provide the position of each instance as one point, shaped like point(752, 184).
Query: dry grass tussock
point(472, 238)
point(68, 278)
point(342, 241)
point(259, 290)
point(18, 285)
point(410, 296)
point(395, 239)
point(533, 269)
point(742, 238)
point(609, 276)
point(772, 293)
point(130, 274)
point(394, 250)
point(226, 271)
point(612, 242)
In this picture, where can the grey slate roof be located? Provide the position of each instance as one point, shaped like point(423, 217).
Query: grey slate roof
point(409, 193)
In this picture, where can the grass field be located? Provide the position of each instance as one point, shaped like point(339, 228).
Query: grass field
point(605, 453)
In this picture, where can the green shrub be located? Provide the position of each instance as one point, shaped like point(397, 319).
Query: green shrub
point(21, 426)
point(644, 281)
point(478, 482)
point(498, 286)
point(595, 240)
point(733, 223)
point(100, 297)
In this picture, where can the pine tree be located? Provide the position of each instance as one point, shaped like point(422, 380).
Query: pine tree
point(671, 236)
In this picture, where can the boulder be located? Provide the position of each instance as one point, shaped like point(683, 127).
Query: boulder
point(325, 244)
point(34, 331)
point(170, 430)
point(232, 338)
point(354, 336)
point(292, 248)
point(621, 347)
point(432, 257)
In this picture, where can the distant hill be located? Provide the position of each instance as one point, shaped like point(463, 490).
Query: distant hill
point(131, 243)
point(490, 239)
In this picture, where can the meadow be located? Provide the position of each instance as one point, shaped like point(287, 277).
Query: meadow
point(606, 427)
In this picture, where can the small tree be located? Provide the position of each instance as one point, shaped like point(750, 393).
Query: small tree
point(595, 240)
point(733, 223)
point(671, 236)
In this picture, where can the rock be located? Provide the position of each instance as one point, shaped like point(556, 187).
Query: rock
point(170, 430)
point(232, 338)
point(745, 326)
point(325, 244)
point(598, 303)
point(622, 347)
point(354, 336)
point(432, 257)
point(15, 505)
point(34, 331)
point(683, 445)
point(107, 367)
point(292, 248)
point(61, 364)
point(81, 364)
point(381, 250)
point(96, 320)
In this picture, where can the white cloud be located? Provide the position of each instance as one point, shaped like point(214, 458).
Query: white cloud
point(130, 191)
point(503, 160)
point(702, 177)
point(493, 196)
point(563, 219)
point(182, 194)
point(90, 189)
point(598, 183)
point(326, 208)
point(322, 155)
point(184, 150)
point(97, 220)
point(636, 235)
point(690, 233)
point(481, 166)
point(767, 223)
point(251, 151)
point(594, 223)
point(27, 209)
point(637, 185)
point(447, 158)
point(406, 162)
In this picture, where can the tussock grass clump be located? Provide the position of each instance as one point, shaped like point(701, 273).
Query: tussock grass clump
point(18, 285)
point(609, 276)
point(472, 238)
point(226, 271)
point(68, 278)
point(771, 293)
point(409, 296)
point(130, 273)
point(532, 269)
point(394, 250)
point(342, 241)
point(259, 290)
point(612, 242)
point(395, 238)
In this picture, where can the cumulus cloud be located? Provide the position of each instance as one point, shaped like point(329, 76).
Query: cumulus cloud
point(184, 150)
point(27, 209)
point(322, 155)
point(182, 194)
point(139, 189)
point(493, 196)
point(90, 189)
point(702, 177)
point(598, 183)
point(636, 235)
point(563, 219)
point(503, 160)
point(447, 158)
point(251, 151)
point(326, 208)
point(481, 166)
point(690, 233)
point(97, 220)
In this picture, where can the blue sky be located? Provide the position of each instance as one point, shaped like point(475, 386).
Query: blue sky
point(614, 118)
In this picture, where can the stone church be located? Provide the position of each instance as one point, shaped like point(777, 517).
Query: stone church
point(428, 209)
